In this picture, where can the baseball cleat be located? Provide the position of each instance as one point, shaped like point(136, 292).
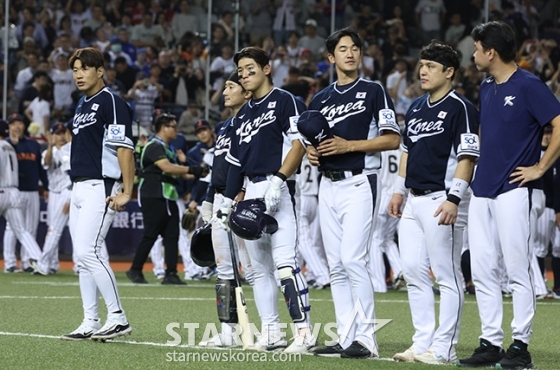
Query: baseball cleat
point(115, 326)
point(12, 270)
point(220, 340)
point(172, 279)
point(269, 340)
point(304, 342)
point(486, 355)
point(84, 331)
point(329, 351)
point(430, 357)
point(556, 294)
point(400, 282)
point(35, 267)
point(516, 357)
point(356, 350)
point(137, 277)
point(159, 276)
point(406, 356)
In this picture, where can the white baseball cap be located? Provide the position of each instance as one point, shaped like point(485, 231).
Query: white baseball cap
point(311, 22)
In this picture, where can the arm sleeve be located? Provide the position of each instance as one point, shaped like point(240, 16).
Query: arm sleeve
point(384, 111)
point(210, 193)
point(541, 102)
point(290, 113)
point(118, 117)
point(234, 182)
point(465, 135)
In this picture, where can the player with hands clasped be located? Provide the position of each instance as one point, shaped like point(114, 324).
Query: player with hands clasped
point(102, 172)
point(361, 115)
point(515, 105)
point(440, 144)
point(265, 151)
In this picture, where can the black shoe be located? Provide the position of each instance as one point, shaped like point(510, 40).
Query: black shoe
point(436, 290)
point(172, 279)
point(469, 289)
point(356, 350)
point(136, 277)
point(28, 269)
point(486, 355)
point(329, 351)
point(517, 357)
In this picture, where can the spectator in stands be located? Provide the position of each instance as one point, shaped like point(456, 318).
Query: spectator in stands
point(297, 84)
point(218, 39)
point(429, 17)
point(87, 37)
point(111, 82)
point(115, 51)
point(259, 18)
point(166, 27)
point(293, 48)
point(29, 21)
point(144, 94)
point(370, 20)
point(147, 34)
point(185, 83)
point(399, 52)
point(311, 40)
point(127, 47)
point(226, 21)
point(61, 44)
point(372, 63)
point(64, 84)
point(280, 63)
point(167, 68)
point(102, 42)
point(40, 79)
point(38, 112)
point(455, 31)
point(397, 81)
point(125, 73)
point(156, 79)
point(24, 77)
point(397, 20)
point(222, 66)
point(189, 117)
point(284, 21)
point(183, 21)
point(393, 39)
point(97, 19)
point(65, 28)
point(78, 15)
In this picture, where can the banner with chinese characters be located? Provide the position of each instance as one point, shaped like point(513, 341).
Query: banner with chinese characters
point(122, 239)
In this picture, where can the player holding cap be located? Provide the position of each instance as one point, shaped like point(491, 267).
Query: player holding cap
point(266, 151)
point(362, 118)
point(514, 107)
point(440, 147)
point(102, 170)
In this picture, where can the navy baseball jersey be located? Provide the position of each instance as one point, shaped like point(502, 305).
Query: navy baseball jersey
point(357, 111)
point(220, 166)
point(30, 168)
point(436, 136)
point(512, 116)
point(264, 131)
point(101, 124)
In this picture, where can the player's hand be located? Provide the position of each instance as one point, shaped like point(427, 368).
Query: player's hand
point(523, 175)
point(117, 202)
point(273, 193)
point(223, 214)
point(447, 212)
point(46, 196)
point(182, 157)
point(192, 205)
point(395, 205)
point(206, 211)
point(66, 208)
point(313, 155)
point(336, 145)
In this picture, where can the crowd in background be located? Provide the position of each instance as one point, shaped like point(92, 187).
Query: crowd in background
point(156, 51)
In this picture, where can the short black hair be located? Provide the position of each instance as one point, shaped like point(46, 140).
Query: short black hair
point(163, 119)
point(90, 57)
point(499, 36)
point(335, 37)
point(257, 54)
point(441, 53)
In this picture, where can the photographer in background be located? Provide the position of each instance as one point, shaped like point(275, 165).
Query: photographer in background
point(185, 83)
point(144, 93)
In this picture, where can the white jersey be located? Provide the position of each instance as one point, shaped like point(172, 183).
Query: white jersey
point(59, 179)
point(308, 179)
point(8, 166)
point(64, 85)
point(389, 169)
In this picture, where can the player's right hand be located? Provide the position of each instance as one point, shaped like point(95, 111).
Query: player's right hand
point(395, 206)
point(206, 211)
point(223, 214)
point(117, 202)
point(313, 155)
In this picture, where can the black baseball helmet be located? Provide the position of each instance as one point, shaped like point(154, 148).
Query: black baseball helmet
point(249, 221)
point(202, 250)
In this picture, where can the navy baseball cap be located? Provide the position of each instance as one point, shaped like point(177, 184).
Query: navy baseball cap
point(249, 221)
point(15, 117)
point(314, 127)
point(59, 127)
point(4, 128)
point(201, 124)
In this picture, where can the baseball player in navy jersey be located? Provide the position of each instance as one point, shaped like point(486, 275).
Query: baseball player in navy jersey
point(10, 200)
point(514, 107)
point(102, 172)
point(235, 97)
point(440, 146)
point(361, 116)
point(55, 160)
point(30, 172)
point(309, 230)
point(385, 228)
point(266, 151)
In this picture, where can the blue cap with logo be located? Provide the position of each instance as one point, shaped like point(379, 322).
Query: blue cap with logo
point(249, 221)
point(314, 127)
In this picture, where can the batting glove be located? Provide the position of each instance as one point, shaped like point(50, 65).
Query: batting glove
point(273, 193)
point(206, 211)
point(223, 214)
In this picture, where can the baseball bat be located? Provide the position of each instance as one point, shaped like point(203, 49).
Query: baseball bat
point(242, 314)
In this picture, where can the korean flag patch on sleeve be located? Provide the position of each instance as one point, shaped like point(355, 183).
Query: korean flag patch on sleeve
point(116, 133)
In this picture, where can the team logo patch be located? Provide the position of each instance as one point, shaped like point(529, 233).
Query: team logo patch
point(116, 133)
point(508, 100)
point(469, 142)
point(95, 106)
point(271, 105)
point(360, 95)
point(442, 114)
point(293, 124)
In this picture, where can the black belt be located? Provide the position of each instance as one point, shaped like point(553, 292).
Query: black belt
point(220, 190)
point(257, 178)
point(82, 178)
point(340, 175)
point(420, 192)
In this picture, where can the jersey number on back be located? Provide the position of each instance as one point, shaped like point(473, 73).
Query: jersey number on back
point(393, 166)
point(307, 169)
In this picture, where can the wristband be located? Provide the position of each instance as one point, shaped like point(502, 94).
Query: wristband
point(457, 190)
point(281, 176)
point(399, 187)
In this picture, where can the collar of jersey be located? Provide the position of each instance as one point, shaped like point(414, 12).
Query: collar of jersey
point(431, 105)
point(336, 88)
point(253, 102)
point(86, 99)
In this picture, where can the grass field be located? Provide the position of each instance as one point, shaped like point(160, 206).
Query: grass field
point(36, 310)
